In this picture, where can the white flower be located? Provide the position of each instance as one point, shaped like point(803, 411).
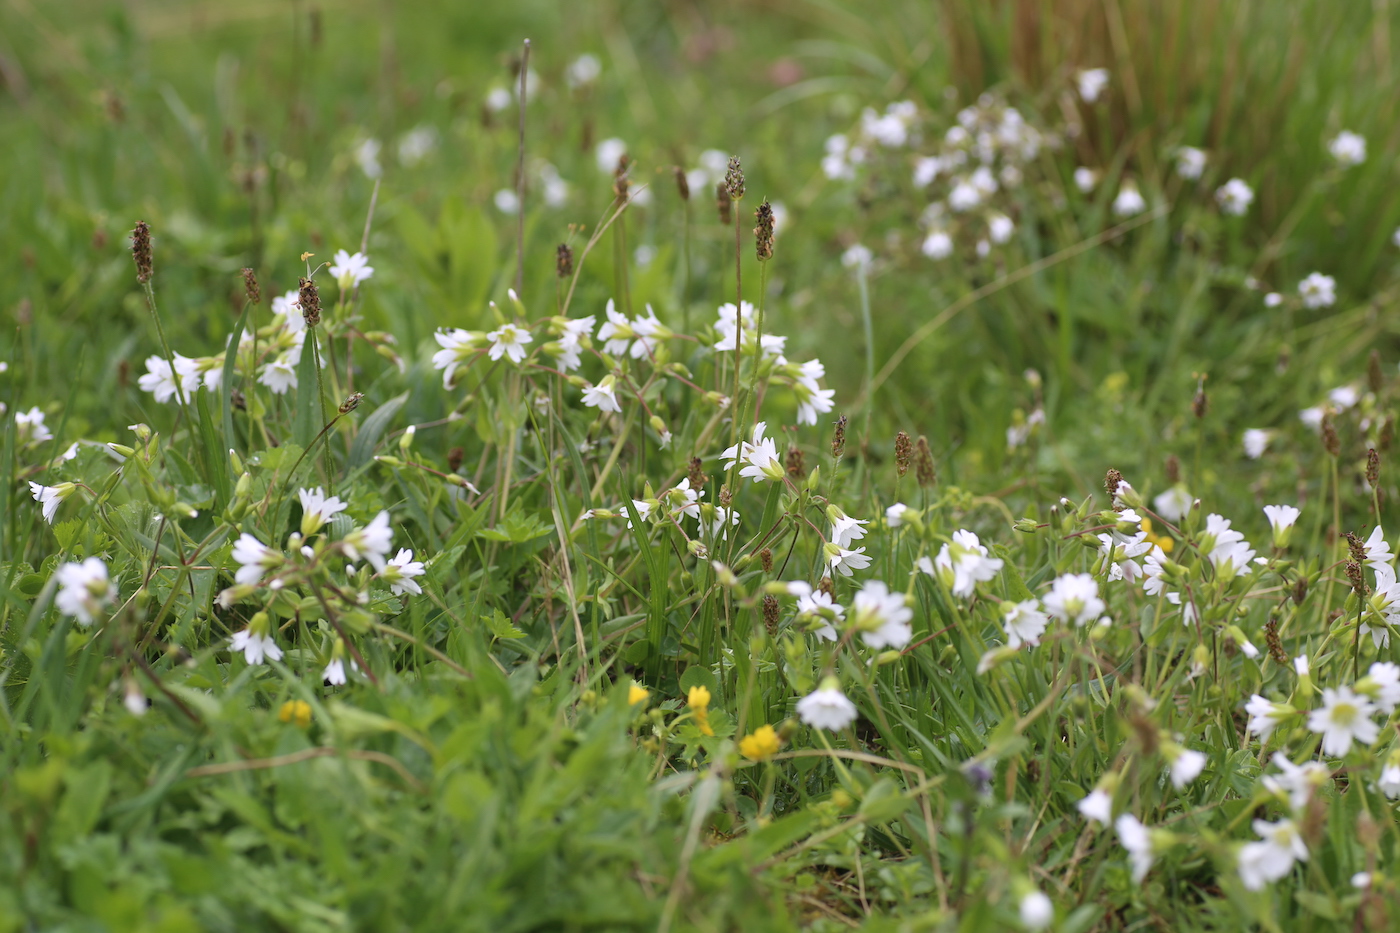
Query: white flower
point(83, 589)
point(962, 564)
point(1085, 179)
point(334, 672)
point(846, 530)
point(1273, 300)
point(508, 340)
point(1344, 397)
point(1074, 597)
point(827, 708)
point(371, 542)
point(1361, 880)
point(616, 331)
point(1377, 549)
point(1174, 504)
point(1138, 841)
point(964, 196)
point(1190, 162)
point(279, 375)
point(499, 98)
point(1312, 417)
point(160, 381)
point(31, 430)
point(1296, 782)
point(894, 515)
point(457, 346)
point(1348, 148)
point(415, 145)
point(760, 458)
point(366, 156)
point(937, 245)
point(723, 520)
point(1385, 678)
point(254, 559)
point(1097, 806)
point(1389, 781)
point(845, 561)
point(1343, 718)
point(608, 153)
point(134, 700)
point(1264, 716)
point(1234, 197)
point(603, 396)
point(1256, 441)
point(857, 257)
point(349, 269)
point(1281, 520)
point(1119, 550)
point(583, 70)
point(255, 648)
point(1129, 201)
point(1272, 859)
point(1153, 568)
point(317, 509)
point(1318, 290)
point(1091, 82)
point(506, 201)
point(1186, 767)
point(1000, 228)
point(49, 497)
point(1024, 622)
point(882, 617)
point(400, 571)
point(1037, 910)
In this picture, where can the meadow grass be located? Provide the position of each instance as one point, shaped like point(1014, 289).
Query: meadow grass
point(590, 697)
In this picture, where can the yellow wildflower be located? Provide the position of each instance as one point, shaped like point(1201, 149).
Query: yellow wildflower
point(1162, 541)
point(698, 699)
point(762, 743)
point(637, 694)
point(297, 711)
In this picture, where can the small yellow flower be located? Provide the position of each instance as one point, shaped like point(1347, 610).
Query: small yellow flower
point(637, 694)
point(297, 711)
point(762, 743)
point(1162, 541)
point(699, 701)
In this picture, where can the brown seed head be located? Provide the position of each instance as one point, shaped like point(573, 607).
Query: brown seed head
point(1373, 468)
point(725, 496)
point(826, 586)
point(1274, 643)
point(251, 291)
point(1330, 441)
point(351, 403)
point(1111, 481)
point(1300, 591)
point(1173, 468)
point(620, 180)
point(724, 203)
point(1200, 404)
point(1375, 377)
point(903, 452)
point(310, 300)
point(141, 251)
point(1387, 434)
point(682, 183)
point(763, 232)
point(838, 438)
point(770, 614)
point(697, 476)
point(734, 179)
point(564, 260)
point(1357, 549)
point(796, 462)
point(455, 456)
point(1354, 577)
point(923, 464)
point(765, 560)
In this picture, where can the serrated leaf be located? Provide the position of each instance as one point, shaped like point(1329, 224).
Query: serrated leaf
point(500, 626)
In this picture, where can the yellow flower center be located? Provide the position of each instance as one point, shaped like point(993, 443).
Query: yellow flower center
point(762, 743)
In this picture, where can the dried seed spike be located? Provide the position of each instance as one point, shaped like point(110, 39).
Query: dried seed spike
point(796, 463)
point(141, 251)
point(310, 300)
point(682, 183)
point(725, 496)
point(724, 203)
point(923, 464)
point(1274, 643)
point(1173, 469)
point(1373, 468)
point(1355, 578)
point(903, 451)
point(620, 180)
point(1200, 404)
point(734, 179)
point(455, 456)
point(838, 438)
point(770, 614)
point(251, 291)
point(765, 560)
point(564, 260)
point(763, 232)
point(1330, 441)
point(351, 403)
point(696, 474)
point(1111, 481)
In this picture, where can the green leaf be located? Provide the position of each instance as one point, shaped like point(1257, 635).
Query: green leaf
point(373, 429)
point(226, 384)
point(500, 626)
point(305, 422)
point(214, 456)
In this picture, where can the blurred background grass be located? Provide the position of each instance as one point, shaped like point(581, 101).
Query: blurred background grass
point(232, 130)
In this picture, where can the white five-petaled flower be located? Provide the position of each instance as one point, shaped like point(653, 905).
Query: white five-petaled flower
point(881, 616)
point(1074, 597)
point(164, 383)
point(1173, 504)
point(316, 509)
point(371, 542)
point(1023, 622)
point(759, 458)
point(335, 672)
point(1186, 765)
point(84, 589)
point(350, 269)
point(457, 346)
point(1265, 715)
point(827, 708)
point(1234, 197)
point(1085, 178)
point(1272, 859)
point(844, 529)
point(508, 340)
point(1256, 441)
point(616, 332)
point(400, 571)
point(1348, 148)
point(603, 396)
point(255, 647)
point(1096, 806)
point(30, 428)
point(894, 515)
point(1129, 201)
point(1037, 910)
point(1190, 162)
point(1389, 781)
point(1281, 520)
point(1318, 290)
point(1091, 82)
point(49, 497)
point(846, 561)
point(1343, 718)
point(1138, 841)
point(1377, 549)
point(278, 375)
point(1296, 782)
point(962, 563)
point(817, 606)
point(1119, 550)
point(254, 559)
point(1383, 682)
